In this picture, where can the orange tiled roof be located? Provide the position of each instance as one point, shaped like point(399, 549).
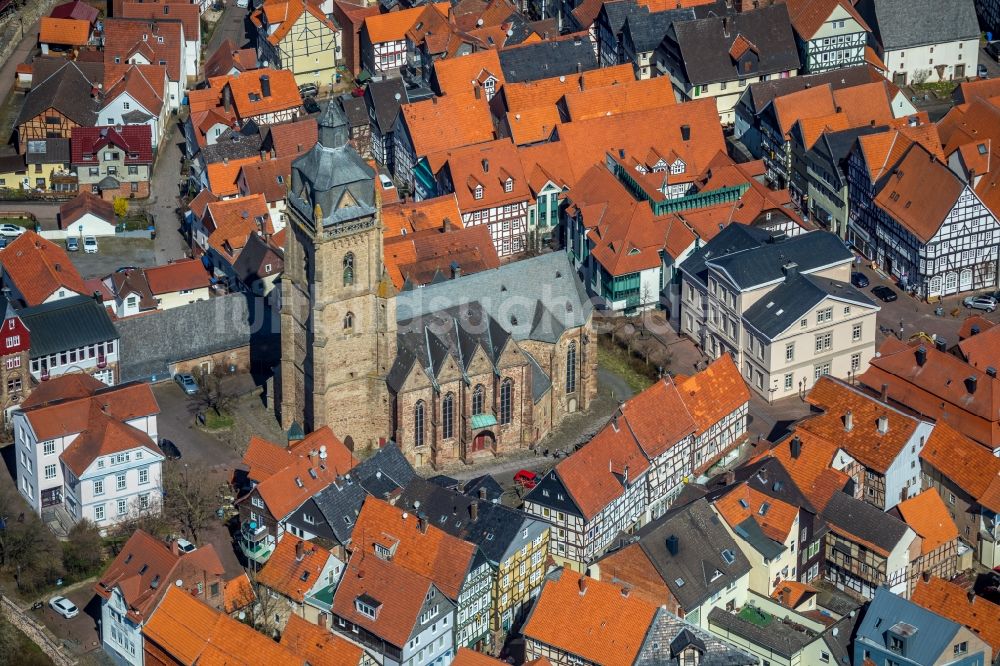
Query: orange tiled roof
point(294, 138)
point(72, 416)
point(938, 388)
point(805, 103)
point(594, 475)
point(440, 123)
point(791, 593)
point(620, 98)
point(123, 38)
point(142, 559)
point(293, 568)
point(631, 566)
point(978, 321)
point(776, 522)
point(234, 220)
point(952, 601)
point(714, 393)
point(590, 619)
point(811, 470)
point(533, 124)
point(412, 216)
point(967, 464)
point(927, 515)
point(187, 13)
point(103, 436)
point(863, 442)
point(177, 276)
point(289, 13)
point(146, 84)
point(658, 417)
point(193, 633)
point(456, 75)
point(222, 175)
point(39, 268)
point(487, 167)
point(64, 387)
point(264, 458)
point(920, 192)
point(548, 92)
point(808, 16)
point(983, 349)
point(319, 645)
point(238, 593)
point(72, 32)
point(467, 657)
point(427, 551)
point(249, 99)
point(423, 255)
point(740, 46)
point(392, 26)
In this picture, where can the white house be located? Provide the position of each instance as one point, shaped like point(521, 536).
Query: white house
point(138, 98)
point(924, 40)
point(87, 215)
point(90, 456)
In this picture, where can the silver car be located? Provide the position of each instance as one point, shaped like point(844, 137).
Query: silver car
point(987, 303)
point(186, 382)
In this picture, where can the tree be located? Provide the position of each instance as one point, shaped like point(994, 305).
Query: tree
point(121, 206)
point(33, 553)
point(266, 607)
point(150, 520)
point(189, 498)
point(214, 393)
point(84, 549)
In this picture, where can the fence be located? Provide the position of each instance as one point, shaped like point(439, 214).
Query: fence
point(35, 632)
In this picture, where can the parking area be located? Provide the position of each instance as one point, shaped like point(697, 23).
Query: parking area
point(113, 253)
point(176, 422)
point(80, 634)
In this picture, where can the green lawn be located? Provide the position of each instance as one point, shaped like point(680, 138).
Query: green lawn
point(631, 370)
point(755, 616)
point(19, 221)
point(28, 653)
point(215, 421)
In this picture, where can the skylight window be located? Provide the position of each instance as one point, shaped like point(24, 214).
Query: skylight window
point(679, 582)
point(764, 509)
point(744, 504)
point(728, 556)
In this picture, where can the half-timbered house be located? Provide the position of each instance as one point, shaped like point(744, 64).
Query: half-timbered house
point(927, 515)
point(383, 40)
point(298, 36)
point(830, 34)
point(265, 96)
point(148, 42)
point(921, 223)
point(63, 98)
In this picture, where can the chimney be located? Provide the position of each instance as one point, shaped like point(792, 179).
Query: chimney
point(885, 392)
point(926, 576)
point(486, 165)
point(673, 544)
point(974, 330)
point(848, 421)
point(477, 90)
point(991, 371)
point(579, 68)
point(730, 478)
point(970, 384)
point(482, 494)
point(300, 550)
point(685, 132)
point(883, 424)
point(474, 511)
point(422, 523)
point(322, 620)
point(725, 26)
point(790, 269)
point(580, 81)
point(265, 85)
point(227, 99)
point(456, 272)
point(941, 344)
point(583, 585)
point(796, 446)
point(971, 594)
point(921, 354)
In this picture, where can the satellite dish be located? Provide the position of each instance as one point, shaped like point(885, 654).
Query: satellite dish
point(398, 97)
point(179, 582)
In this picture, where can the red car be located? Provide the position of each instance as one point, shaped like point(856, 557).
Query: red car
point(526, 479)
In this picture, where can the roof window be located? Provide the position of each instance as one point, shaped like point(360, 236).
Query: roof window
point(728, 556)
point(764, 508)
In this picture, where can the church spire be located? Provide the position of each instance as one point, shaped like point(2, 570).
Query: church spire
point(333, 127)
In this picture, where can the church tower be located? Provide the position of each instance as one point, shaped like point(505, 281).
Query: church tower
point(338, 319)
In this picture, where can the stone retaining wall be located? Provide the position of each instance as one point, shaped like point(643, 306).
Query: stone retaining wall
point(35, 632)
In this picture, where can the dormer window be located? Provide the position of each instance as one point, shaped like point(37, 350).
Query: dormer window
point(478, 192)
point(677, 167)
point(367, 606)
point(159, 40)
point(382, 551)
point(508, 185)
point(145, 37)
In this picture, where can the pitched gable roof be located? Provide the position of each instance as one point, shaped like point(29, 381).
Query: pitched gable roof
point(84, 203)
point(593, 620)
point(72, 32)
point(714, 393)
point(293, 568)
point(440, 123)
point(320, 646)
point(39, 268)
point(967, 464)
point(927, 515)
point(808, 16)
point(951, 601)
point(68, 90)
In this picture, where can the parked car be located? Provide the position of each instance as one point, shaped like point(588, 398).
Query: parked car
point(72, 244)
point(987, 303)
point(884, 294)
point(308, 90)
point(64, 607)
point(310, 105)
point(90, 244)
point(186, 382)
point(170, 449)
point(11, 230)
point(859, 280)
point(386, 182)
point(982, 72)
point(526, 479)
point(185, 546)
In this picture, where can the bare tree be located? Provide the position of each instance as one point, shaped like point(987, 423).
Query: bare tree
point(214, 393)
point(189, 499)
point(150, 520)
point(267, 607)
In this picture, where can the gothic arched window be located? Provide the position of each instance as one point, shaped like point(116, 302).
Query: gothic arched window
point(478, 396)
point(571, 368)
point(348, 269)
point(349, 321)
point(506, 393)
point(418, 423)
point(448, 416)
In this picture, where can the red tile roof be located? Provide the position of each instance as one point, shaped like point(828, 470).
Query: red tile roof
point(863, 441)
point(179, 275)
point(631, 566)
point(248, 96)
point(222, 175)
point(393, 26)
point(294, 138)
point(64, 387)
point(320, 646)
point(810, 469)
point(628, 96)
point(426, 550)
point(142, 560)
point(238, 593)
point(39, 268)
point(776, 523)
point(294, 567)
point(467, 657)
point(808, 16)
point(658, 417)
point(486, 167)
point(983, 349)
point(102, 436)
point(595, 621)
point(269, 177)
point(84, 203)
point(71, 32)
point(144, 83)
point(714, 393)
point(123, 39)
point(953, 602)
point(135, 142)
point(969, 465)
point(440, 123)
point(791, 593)
point(927, 515)
point(76, 9)
point(461, 74)
point(979, 321)
point(422, 256)
point(189, 14)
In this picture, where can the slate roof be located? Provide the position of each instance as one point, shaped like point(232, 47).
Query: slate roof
point(48, 151)
point(757, 266)
point(934, 633)
point(355, 110)
point(796, 296)
point(857, 519)
point(701, 539)
point(669, 635)
point(68, 90)
point(705, 47)
point(69, 323)
point(547, 59)
point(487, 483)
point(386, 471)
point(235, 143)
point(646, 30)
point(186, 332)
point(899, 24)
point(543, 295)
point(734, 238)
point(381, 95)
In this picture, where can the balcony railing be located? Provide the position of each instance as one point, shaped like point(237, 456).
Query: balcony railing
point(255, 542)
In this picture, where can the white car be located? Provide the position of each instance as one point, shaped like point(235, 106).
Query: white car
point(185, 546)
point(11, 230)
point(64, 607)
point(387, 183)
point(90, 244)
